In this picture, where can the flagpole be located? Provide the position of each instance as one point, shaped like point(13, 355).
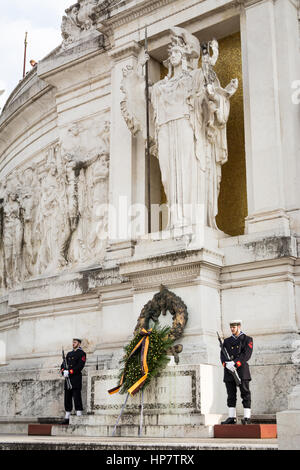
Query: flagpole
point(148, 166)
point(25, 51)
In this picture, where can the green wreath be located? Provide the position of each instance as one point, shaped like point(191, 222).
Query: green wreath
point(157, 358)
point(148, 352)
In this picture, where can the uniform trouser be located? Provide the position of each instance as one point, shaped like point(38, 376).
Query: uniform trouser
point(70, 395)
point(245, 393)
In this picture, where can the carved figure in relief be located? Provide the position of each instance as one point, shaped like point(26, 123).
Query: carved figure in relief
point(190, 113)
point(91, 155)
point(51, 212)
point(50, 224)
point(12, 238)
point(28, 207)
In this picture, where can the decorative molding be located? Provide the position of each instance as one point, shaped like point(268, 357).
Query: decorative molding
point(190, 405)
point(258, 273)
point(114, 18)
point(122, 52)
point(172, 269)
point(9, 321)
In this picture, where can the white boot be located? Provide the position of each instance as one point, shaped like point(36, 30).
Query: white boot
point(68, 414)
point(79, 413)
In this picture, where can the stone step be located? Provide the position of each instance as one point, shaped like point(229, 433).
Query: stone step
point(50, 420)
point(129, 419)
point(16, 424)
point(147, 445)
point(263, 419)
point(175, 431)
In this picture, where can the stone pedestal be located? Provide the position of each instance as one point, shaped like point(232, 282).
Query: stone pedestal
point(182, 401)
point(288, 423)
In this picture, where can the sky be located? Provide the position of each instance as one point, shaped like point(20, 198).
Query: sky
point(42, 20)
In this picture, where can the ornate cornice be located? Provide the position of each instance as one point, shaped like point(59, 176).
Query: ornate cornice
point(122, 12)
point(178, 268)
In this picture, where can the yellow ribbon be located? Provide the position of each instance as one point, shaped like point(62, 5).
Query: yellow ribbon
point(144, 344)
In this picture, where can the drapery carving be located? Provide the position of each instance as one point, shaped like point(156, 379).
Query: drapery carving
point(190, 111)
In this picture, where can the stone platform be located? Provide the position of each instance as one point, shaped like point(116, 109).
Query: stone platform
point(249, 431)
point(18, 442)
point(153, 427)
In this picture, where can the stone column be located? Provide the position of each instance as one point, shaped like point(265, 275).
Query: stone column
point(123, 149)
point(270, 51)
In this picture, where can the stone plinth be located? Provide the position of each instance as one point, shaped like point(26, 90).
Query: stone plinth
point(182, 401)
point(289, 423)
point(249, 431)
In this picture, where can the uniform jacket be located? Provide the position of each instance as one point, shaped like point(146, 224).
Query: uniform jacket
point(76, 362)
point(240, 350)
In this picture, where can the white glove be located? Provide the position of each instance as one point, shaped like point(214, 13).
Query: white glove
point(66, 373)
point(230, 365)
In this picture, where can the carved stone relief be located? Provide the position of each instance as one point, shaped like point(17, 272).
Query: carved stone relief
point(53, 211)
point(79, 18)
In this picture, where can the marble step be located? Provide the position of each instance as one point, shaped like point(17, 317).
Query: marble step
point(174, 431)
point(147, 445)
point(16, 424)
point(130, 419)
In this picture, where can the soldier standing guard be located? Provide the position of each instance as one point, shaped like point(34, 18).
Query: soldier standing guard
point(239, 347)
point(75, 363)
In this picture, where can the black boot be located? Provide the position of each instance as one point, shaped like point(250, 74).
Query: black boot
point(246, 421)
point(229, 421)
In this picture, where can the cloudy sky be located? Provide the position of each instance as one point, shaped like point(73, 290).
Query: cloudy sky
point(41, 19)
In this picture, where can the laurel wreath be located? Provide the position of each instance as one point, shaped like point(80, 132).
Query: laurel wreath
point(157, 357)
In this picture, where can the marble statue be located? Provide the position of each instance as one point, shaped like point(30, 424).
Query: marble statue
point(190, 110)
point(78, 19)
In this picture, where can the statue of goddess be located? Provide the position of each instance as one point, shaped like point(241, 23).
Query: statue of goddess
point(190, 111)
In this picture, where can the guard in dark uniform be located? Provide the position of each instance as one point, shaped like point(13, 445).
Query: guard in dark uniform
point(76, 361)
point(239, 347)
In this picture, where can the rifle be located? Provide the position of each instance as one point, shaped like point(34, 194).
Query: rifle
point(225, 352)
point(65, 366)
